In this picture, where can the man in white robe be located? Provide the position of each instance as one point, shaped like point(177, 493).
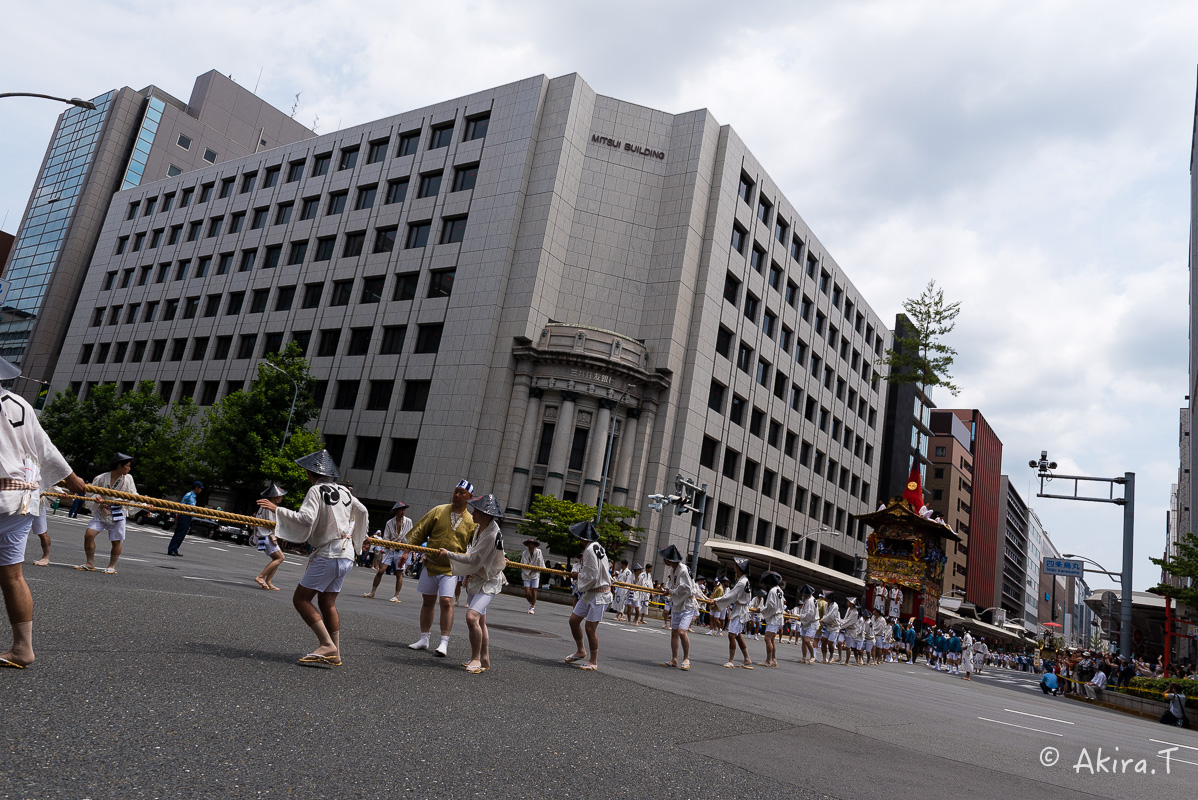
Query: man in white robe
point(593, 581)
point(684, 595)
point(108, 517)
point(396, 530)
point(620, 595)
point(533, 557)
point(736, 600)
point(333, 522)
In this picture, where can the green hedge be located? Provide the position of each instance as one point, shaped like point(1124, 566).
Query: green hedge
point(1154, 689)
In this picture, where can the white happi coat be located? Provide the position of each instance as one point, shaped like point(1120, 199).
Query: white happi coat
point(831, 620)
point(736, 600)
point(331, 520)
point(967, 651)
point(594, 575)
point(848, 623)
point(483, 561)
point(122, 484)
point(28, 455)
point(807, 614)
point(684, 592)
point(536, 559)
point(262, 534)
point(880, 626)
point(643, 579)
point(774, 608)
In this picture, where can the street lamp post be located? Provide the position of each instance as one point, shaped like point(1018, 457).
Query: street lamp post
point(73, 101)
point(294, 395)
point(1044, 469)
point(802, 537)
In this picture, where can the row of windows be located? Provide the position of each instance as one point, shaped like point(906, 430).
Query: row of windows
point(206, 348)
point(764, 373)
point(757, 258)
point(764, 533)
point(340, 294)
point(751, 474)
point(347, 158)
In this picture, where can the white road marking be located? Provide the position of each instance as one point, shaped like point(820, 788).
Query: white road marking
point(143, 560)
point(1024, 727)
point(1175, 744)
point(1173, 759)
point(1037, 716)
point(223, 550)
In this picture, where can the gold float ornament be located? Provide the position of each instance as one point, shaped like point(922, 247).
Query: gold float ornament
point(913, 486)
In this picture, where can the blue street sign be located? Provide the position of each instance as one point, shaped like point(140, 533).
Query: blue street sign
point(1064, 566)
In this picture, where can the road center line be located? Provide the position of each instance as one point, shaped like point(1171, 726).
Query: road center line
point(1024, 727)
point(1175, 744)
point(1037, 716)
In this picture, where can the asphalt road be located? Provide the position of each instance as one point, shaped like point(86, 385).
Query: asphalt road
point(177, 678)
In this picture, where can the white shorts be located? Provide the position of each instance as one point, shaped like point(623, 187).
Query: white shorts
point(868, 644)
point(591, 612)
point(808, 631)
point(267, 545)
point(479, 601)
point(533, 583)
point(736, 626)
point(681, 620)
point(14, 534)
point(114, 529)
point(326, 574)
point(439, 585)
point(394, 558)
point(772, 628)
point(39, 523)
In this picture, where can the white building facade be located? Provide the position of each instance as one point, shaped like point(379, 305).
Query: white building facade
point(486, 286)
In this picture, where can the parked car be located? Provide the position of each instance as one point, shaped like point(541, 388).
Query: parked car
point(218, 529)
point(147, 516)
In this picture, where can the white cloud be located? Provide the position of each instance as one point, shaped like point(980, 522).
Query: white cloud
point(1031, 157)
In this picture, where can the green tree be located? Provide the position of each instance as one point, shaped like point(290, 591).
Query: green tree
point(91, 431)
point(1182, 563)
point(243, 443)
point(920, 356)
point(549, 519)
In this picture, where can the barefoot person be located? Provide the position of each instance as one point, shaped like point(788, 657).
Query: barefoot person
point(109, 518)
point(533, 557)
point(808, 623)
point(42, 530)
point(771, 614)
point(267, 541)
point(736, 600)
point(685, 596)
point(396, 530)
point(482, 567)
point(593, 576)
point(28, 460)
point(448, 527)
point(333, 522)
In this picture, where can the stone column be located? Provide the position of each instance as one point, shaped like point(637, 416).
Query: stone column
point(559, 454)
point(518, 498)
point(592, 476)
point(628, 442)
point(641, 459)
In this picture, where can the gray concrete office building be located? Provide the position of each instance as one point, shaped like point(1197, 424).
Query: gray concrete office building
point(133, 136)
point(486, 286)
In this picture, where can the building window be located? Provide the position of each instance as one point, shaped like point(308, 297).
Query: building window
point(418, 234)
point(454, 230)
point(745, 191)
point(349, 158)
point(247, 260)
point(415, 395)
point(214, 226)
point(365, 197)
point(184, 142)
point(384, 240)
point(723, 341)
point(297, 253)
point(346, 395)
point(377, 151)
point(271, 178)
point(465, 177)
point(372, 289)
point(320, 165)
point(353, 244)
point(273, 254)
point(199, 347)
point(430, 184)
point(247, 182)
point(393, 336)
point(442, 135)
point(405, 286)
point(764, 207)
point(408, 143)
point(312, 293)
point(736, 411)
point(178, 347)
point(208, 393)
point(308, 209)
point(185, 197)
point(223, 344)
point(191, 307)
point(403, 455)
point(233, 307)
point(366, 453)
point(302, 339)
point(476, 127)
point(731, 463)
point(359, 342)
point(739, 237)
point(731, 289)
point(258, 300)
point(397, 190)
point(284, 296)
point(379, 398)
point(210, 156)
point(336, 203)
point(744, 358)
point(205, 193)
point(226, 188)
point(295, 171)
point(715, 396)
point(324, 248)
point(709, 453)
point(329, 339)
point(341, 293)
point(428, 338)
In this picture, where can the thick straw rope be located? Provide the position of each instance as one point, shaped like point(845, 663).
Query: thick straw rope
point(192, 511)
point(170, 505)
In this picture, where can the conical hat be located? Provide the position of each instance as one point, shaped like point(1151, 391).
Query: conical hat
point(320, 463)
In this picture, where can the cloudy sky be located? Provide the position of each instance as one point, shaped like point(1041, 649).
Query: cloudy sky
point(1031, 157)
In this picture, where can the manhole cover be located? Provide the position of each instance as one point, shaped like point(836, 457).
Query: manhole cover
point(521, 631)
